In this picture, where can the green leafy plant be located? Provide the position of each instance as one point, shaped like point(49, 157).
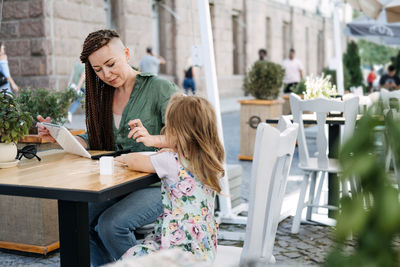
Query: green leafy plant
point(319, 87)
point(371, 216)
point(14, 123)
point(371, 53)
point(352, 61)
point(300, 88)
point(264, 80)
point(332, 73)
point(47, 102)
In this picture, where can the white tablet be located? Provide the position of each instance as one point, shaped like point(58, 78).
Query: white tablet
point(66, 140)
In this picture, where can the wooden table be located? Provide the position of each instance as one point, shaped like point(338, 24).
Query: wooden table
point(334, 132)
point(73, 181)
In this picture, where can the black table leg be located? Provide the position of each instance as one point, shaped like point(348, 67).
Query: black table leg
point(333, 181)
point(73, 221)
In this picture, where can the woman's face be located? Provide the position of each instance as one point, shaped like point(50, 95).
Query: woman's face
point(110, 63)
point(2, 49)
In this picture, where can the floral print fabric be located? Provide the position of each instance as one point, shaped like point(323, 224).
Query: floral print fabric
point(188, 220)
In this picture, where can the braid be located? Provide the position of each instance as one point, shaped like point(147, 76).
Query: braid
point(99, 95)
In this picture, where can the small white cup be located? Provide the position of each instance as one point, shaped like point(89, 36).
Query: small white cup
point(106, 165)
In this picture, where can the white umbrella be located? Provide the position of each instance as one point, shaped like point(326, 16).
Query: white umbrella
point(375, 8)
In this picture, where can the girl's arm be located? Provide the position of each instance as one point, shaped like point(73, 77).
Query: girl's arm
point(137, 162)
point(14, 86)
point(140, 134)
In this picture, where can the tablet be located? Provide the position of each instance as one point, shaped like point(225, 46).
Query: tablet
point(66, 140)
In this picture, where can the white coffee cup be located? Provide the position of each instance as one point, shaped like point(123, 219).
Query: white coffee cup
point(106, 165)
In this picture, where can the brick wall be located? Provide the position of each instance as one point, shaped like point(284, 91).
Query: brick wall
point(44, 37)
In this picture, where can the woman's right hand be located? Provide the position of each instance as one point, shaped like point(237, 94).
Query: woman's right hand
point(42, 130)
point(139, 133)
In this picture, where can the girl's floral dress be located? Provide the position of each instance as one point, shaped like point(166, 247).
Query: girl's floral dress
point(188, 220)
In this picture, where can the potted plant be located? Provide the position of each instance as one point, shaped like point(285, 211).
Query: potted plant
point(299, 90)
point(263, 81)
point(319, 87)
point(47, 103)
point(14, 124)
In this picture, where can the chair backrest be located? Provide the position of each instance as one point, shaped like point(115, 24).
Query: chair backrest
point(387, 96)
point(273, 152)
point(322, 106)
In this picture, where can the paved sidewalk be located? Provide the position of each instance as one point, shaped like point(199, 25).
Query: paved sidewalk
point(306, 248)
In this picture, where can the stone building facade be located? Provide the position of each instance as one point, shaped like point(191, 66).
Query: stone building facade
point(44, 37)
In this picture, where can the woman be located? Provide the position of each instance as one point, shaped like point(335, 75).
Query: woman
point(5, 71)
point(116, 94)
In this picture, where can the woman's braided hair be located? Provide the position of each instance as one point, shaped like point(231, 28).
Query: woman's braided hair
point(99, 95)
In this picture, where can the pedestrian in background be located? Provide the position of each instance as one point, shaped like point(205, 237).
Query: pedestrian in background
point(150, 62)
point(6, 81)
point(188, 82)
point(293, 71)
point(370, 79)
point(262, 54)
point(390, 80)
point(77, 83)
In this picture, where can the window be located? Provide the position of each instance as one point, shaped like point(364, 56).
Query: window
point(268, 36)
point(285, 39)
point(320, 55)
point(111, 7)
point(238, 44)
point(307, 46)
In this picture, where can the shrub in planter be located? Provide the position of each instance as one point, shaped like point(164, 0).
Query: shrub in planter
point(300, 88)
point(47, 102)
point(264, 80)
point(14, 122)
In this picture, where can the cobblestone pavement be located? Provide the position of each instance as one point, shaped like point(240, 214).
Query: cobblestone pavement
point(308, 247)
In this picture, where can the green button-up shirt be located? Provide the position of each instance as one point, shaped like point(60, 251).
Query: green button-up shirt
point(148, 101)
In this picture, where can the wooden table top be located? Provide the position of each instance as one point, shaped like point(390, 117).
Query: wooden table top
point(61, 175)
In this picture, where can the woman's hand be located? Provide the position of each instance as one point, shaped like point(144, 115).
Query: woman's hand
point(140, 134)
point(42, 130)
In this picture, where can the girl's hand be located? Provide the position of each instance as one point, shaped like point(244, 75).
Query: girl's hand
point(139, 133)
point(137, 162)
point(42, 130)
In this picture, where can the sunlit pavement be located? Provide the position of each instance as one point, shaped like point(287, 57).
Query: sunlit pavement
point(308, 247)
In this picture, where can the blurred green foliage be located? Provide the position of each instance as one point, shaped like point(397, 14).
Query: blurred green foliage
point(396, 62)
point(332, 73)
point(371, 215)
point(352, 61)
point(14, 122)
point(300, 88)
point(264, 80)
point(47, 103)
point(371, 53)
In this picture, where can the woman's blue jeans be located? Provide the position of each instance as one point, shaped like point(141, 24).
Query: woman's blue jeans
point(112, 223)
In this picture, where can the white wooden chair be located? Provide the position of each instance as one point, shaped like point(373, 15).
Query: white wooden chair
point(272, 159)
point(386, 97)
point(320, 163)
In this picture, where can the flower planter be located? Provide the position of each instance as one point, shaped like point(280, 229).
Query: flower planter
point(252, 112)
point(28, 224)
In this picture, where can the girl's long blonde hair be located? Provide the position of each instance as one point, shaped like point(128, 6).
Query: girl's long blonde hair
point(192, 125)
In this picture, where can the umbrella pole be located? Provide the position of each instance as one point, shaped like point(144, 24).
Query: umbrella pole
point(338, 48)
point(213, 96)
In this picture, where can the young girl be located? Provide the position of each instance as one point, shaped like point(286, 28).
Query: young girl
point(189, 172)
